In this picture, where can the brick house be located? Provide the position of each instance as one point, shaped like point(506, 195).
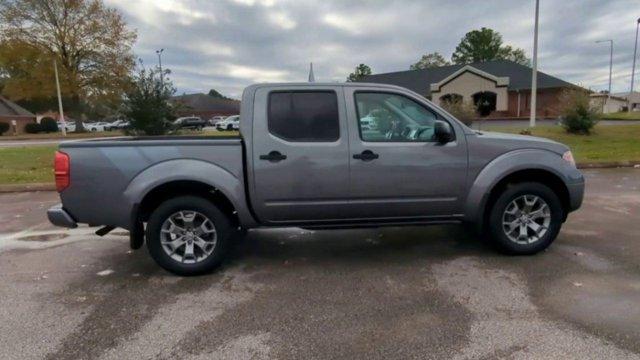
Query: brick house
point(11, 111)
point(205, 106)
point(500, 88)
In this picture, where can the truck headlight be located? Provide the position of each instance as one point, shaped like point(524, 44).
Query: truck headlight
point(568, 157)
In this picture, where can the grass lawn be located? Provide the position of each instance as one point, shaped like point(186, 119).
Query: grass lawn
point(623, 115)
point(606, 143)
point(28, 164)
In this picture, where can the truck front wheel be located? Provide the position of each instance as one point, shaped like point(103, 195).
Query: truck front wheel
point(188, 235)
point(525, 219)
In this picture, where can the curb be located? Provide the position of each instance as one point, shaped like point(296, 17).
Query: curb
point(609, 165)
point(10, 188)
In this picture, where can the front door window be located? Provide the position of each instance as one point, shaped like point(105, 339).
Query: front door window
point(386, 117)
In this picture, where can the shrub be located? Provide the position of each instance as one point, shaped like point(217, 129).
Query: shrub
point(578, 115)
point(461, 110)
point(4, 127)
point(146, 103)
point(48, 125)
point(33, 128)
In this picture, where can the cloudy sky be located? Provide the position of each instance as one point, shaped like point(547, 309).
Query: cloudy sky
point(229, 44)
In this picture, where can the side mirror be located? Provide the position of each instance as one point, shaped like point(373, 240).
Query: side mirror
point(443, 132)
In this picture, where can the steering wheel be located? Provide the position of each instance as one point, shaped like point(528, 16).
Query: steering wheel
point(422, 130)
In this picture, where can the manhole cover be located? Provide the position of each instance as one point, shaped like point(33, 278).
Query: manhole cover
point(46, 237)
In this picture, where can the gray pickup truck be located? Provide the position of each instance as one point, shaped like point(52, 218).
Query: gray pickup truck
point(319, 156)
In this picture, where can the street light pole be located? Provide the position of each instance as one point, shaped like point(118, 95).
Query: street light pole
point(633, 67)
point(62, 121)
point(534, 72)
point(159, 52)
point(610, 60)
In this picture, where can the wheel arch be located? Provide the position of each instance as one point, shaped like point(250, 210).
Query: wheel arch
point(540, 166)
point(188, 177)
point(176, 188)
point(541, 176)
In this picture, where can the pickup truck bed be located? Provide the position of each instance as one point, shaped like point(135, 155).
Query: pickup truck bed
point(111, 171)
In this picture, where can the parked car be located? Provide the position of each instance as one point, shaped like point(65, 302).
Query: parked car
point(95, 126)
point(70, 125)
point(230, 123)
point(214, 120)
point(190, 122)
point(301, 161)
point(117, 125)
point(368, 123)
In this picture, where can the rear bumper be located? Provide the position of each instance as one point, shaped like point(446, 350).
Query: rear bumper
point(58, 216)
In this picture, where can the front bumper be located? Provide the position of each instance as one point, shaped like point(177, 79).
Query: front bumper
point(58, 216)
point(576, 194)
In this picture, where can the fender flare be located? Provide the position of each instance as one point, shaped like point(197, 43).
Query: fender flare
point(189, 170)
point(505, 165)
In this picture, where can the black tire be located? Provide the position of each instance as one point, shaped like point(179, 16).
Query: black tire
point(495, 227)
point(223, 228)
point(229, 127)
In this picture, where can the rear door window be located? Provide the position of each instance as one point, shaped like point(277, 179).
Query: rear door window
point(304, 116)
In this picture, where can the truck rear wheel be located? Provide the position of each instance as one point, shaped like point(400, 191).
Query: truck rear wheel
point(188, 235)
point(525, 219)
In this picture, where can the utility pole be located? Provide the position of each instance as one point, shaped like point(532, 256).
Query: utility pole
point(635, 50)
point(62, 121)
point(534, 72)
point(159, 52)
point(610, 61)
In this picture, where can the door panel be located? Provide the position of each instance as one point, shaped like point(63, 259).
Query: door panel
point(409, 175)
point(312, 182)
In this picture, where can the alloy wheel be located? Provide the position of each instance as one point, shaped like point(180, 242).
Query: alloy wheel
point(188, 236)
point(526, 219)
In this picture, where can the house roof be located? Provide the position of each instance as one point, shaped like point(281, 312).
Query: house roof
point(421, 80)
point(9, 108)
point(204, 102)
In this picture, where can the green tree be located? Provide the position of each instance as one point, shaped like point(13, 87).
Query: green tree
point(90, 42)
point(146, 103)
point(484, 45)
point(430, 60)
point(360, 72)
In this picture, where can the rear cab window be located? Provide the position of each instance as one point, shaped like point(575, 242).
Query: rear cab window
point(304, 116)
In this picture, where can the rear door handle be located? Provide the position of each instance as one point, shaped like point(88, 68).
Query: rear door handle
point(366, 155)
point(273, 156)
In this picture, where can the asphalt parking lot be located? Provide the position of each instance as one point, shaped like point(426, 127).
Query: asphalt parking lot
point(420, 292)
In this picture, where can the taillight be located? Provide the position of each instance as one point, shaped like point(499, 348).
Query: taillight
point(61, 169)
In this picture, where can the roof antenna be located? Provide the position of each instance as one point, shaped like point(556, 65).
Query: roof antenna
point(311, 77)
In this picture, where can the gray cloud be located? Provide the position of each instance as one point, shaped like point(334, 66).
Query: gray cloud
point(229, 44)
